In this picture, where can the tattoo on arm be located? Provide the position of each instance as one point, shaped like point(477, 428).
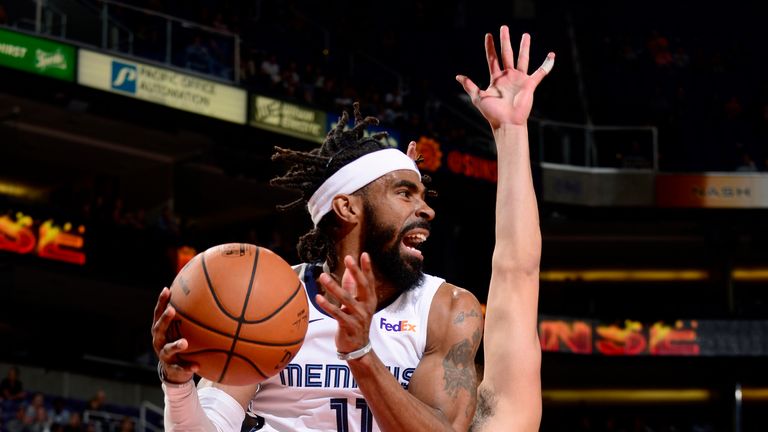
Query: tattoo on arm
point(459, 370)
point(460, 317)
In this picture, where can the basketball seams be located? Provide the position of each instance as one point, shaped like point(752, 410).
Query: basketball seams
point(227, 335)
point(233, 341)
point(213, 291)
point(240, 356)
point(276, 311)
point(242, 314)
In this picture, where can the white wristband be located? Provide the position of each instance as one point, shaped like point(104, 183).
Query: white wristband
point(355, 354)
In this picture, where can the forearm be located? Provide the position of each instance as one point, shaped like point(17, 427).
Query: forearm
point(207, 410)
point(518, 236)
point(393, 408)
point(512, 350)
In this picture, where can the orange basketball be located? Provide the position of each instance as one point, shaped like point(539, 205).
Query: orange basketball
point(243, 311)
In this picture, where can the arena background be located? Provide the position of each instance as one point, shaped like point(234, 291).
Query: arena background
point(649, 152)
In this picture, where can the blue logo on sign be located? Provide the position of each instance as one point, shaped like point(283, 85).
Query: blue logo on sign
point(124, 77)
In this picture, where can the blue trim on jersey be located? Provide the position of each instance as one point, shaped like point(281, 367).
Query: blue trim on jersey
point(311, 285)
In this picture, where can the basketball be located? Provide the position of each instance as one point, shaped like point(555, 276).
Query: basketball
point(243, 311)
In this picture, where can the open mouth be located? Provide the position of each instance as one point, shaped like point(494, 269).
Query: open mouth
point(413, 241)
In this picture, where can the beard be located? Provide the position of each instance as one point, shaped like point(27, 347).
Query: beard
point(404, 273)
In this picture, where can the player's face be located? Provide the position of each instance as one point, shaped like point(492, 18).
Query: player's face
point(397, 224)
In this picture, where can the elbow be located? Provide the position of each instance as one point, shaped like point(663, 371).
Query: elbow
point(503, 264)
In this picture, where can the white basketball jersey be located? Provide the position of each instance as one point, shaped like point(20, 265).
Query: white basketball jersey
point(316, 391)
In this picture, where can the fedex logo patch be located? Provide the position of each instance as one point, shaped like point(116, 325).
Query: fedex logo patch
point(399, 326)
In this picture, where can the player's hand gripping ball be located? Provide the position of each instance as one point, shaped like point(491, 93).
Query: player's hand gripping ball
point(243, 311)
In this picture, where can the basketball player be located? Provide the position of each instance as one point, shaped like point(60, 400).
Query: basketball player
point(387, 348)
point(510, 393)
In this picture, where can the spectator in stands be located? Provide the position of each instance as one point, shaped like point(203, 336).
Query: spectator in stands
point(59, 414)
point(38, 402)
point(75, 423)
point(271, 68)
point(97, 424)
point(40, 421)
point(11, 388)
point(127, 425)
point(747, 164)
point(3, 15)
point(20, 422)
point(97, 401)
point(197, 56)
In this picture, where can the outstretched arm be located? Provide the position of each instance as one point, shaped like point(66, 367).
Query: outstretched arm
point(510, 393)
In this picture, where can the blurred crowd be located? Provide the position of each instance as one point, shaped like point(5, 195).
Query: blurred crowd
point(709, 115)
point(703, 92)
point(22, 411)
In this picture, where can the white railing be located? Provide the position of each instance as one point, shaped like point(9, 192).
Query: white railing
point(593, 146)
point(144, 425)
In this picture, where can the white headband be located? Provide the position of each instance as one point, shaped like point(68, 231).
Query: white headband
point(355, 175)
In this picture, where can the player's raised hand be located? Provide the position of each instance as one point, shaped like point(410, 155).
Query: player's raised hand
point(357, 298)
point(175, 370)
point(509, 96)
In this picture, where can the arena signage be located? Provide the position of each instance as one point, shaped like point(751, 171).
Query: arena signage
point(712, 190)
point(23, 235)
point(473, 166)
point(288, 119)
point(162, 86)
point(36, 55)
point(599, 187)
point(634, 338)
point(392, 139)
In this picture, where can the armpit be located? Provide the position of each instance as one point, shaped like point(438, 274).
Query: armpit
point(486, 406)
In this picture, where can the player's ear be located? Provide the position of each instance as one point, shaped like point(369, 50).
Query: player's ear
point(348, 208)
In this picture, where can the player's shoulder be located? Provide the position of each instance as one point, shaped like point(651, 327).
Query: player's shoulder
point(454, 297)
point(455, 311)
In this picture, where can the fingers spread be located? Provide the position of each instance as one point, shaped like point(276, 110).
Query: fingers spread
point(368, 292)
point(544, 69)
point(490, 55)
point(472, 90)
point(331, 309)
point(524, 54)
point(507, 55)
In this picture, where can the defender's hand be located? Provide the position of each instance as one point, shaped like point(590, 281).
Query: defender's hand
point(509, 96)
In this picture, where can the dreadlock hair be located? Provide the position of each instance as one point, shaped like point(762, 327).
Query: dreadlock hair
point(309, 170)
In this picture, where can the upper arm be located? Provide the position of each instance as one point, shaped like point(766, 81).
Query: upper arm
point(446, 378)
point(512, 372)
point(242, 394)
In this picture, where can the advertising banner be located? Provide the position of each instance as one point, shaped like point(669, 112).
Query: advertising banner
point(598, 187)
point(712, 190)
point(37, 55)
point(24, 235)
point(288, 119)
point(635, 338)
point(162, 86)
